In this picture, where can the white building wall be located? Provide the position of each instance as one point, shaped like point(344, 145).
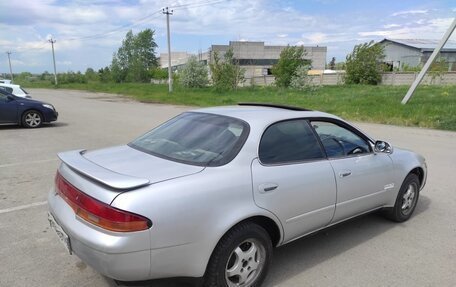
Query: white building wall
point(399, 55)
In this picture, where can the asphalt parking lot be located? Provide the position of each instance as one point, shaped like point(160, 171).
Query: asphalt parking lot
point(368, 251)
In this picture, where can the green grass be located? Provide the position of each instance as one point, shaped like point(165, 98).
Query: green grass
point(431, 106)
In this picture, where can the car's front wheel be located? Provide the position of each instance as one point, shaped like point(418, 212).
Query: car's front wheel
point(406, 200)
point(32, 119)
point(241, 258)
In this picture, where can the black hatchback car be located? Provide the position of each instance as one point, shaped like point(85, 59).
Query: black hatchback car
point(26, 112)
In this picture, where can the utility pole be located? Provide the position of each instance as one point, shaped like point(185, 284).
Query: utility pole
point(9, 60)
point(170, 77)
point(53, 57)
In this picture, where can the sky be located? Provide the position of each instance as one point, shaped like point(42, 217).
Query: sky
point(88, 32)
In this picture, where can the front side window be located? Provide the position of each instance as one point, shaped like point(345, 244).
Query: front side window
point(339, 141)
point(289, 141)
point(196, 138)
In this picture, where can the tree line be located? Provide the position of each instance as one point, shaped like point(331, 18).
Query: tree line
point(136, 61)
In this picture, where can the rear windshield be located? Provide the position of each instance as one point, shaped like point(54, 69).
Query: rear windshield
point(196, 138)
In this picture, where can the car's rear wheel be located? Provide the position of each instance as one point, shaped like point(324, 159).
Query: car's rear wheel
point(32, 119)
point(406, 200)
point(241, 258)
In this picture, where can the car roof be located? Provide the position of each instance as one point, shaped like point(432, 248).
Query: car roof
point(9, 85)
point(264, 114)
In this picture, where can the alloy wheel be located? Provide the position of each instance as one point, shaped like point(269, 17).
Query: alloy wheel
point(245, 263)
point(33, 119)
point(409, 199)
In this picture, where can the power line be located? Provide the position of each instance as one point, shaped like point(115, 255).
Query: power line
point(198, 4)
point(120, 28)
point(128, 26)
point(144, 19)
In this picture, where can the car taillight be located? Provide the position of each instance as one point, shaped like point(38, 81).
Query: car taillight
point(97, 212)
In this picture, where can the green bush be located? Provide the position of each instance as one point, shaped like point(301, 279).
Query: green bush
point(226, 74)
point(291, 58)
point(193, 74)
point(365, 64)
point(70, 78)
point(301, 79)
point(159, 74)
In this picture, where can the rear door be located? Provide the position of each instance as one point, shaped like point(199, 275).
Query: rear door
point(363, 177)
point(293, 179)
point(8, 109)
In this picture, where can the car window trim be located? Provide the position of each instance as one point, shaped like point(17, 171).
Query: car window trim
point(291, 162)
point(348, 127)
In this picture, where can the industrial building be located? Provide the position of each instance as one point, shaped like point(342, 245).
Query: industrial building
point(412, 53)
point(177, 59)
point(255, 58)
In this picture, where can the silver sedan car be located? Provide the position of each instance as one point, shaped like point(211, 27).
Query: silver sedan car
point(210, 192)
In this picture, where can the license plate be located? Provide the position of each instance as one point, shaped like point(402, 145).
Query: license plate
point(63, 237)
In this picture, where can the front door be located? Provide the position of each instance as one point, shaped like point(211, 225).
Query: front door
point(364, 178)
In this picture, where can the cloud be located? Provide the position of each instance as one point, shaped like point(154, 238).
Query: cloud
point(89, 31)
point(65, 63)
point(388, 26)
point(409, 12)
point(430, 29)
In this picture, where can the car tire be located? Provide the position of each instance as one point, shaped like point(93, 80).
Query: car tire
point(241, 258)
point(406, 200)
point(32, 119)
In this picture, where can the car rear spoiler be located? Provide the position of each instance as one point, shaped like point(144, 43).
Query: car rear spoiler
point(75, 160)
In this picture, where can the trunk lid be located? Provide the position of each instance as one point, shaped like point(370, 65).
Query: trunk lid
point(119, 169)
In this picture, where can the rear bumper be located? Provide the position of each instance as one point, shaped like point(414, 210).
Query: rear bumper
point(122, 256)
point(125, 256)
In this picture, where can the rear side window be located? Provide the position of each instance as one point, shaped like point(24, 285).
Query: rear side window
point(289, 141)
point(8, 89)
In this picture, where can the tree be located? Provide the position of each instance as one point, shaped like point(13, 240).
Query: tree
point(332, 64)
point(134, 60)
point(91, 75)
point(105, 75)
point(290, 59)
point(159, 73)
point(226, 74)
point(365, 64)
point(193, 74)
point(340, 66)
point(301, 79)
point(45, 76)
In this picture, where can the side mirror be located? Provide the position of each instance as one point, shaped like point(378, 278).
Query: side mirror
point(383, 146)
point(9, 98)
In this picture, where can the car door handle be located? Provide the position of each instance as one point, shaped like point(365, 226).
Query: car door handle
point(267, 187)
point(345, 173)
